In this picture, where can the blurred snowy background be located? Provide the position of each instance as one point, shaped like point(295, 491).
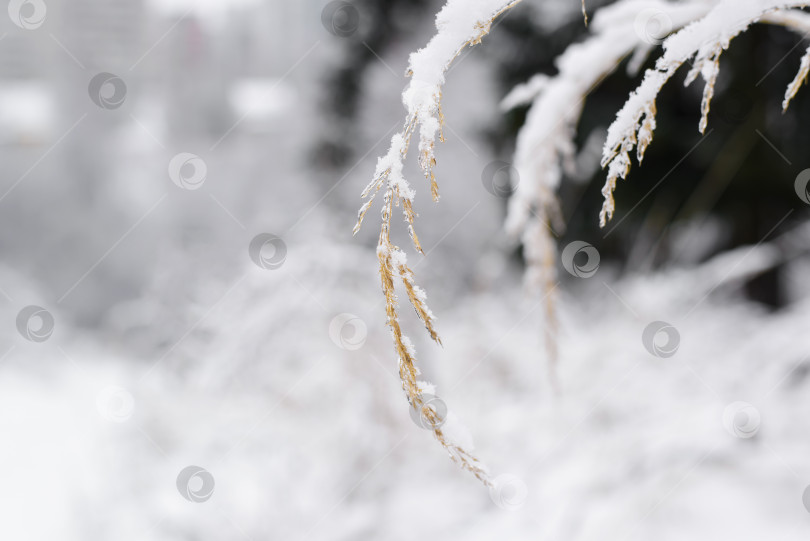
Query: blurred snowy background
point(160, 380)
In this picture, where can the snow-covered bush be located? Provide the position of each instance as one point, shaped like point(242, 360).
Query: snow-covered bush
point(693, 31)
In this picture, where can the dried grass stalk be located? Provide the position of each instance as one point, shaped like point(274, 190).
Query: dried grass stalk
point(703, 41)
point(423, 101)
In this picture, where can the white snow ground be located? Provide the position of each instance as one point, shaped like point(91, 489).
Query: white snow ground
point(307, 440)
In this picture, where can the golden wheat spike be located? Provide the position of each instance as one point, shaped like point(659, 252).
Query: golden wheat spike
point(797, 81)
point(392, 261)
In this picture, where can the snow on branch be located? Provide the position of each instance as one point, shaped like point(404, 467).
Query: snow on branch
point(704, 41)
point(545, 144)
point(460, 23)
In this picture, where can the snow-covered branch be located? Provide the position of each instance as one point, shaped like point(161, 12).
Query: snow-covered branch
point(461, 23)
point(703, 41)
